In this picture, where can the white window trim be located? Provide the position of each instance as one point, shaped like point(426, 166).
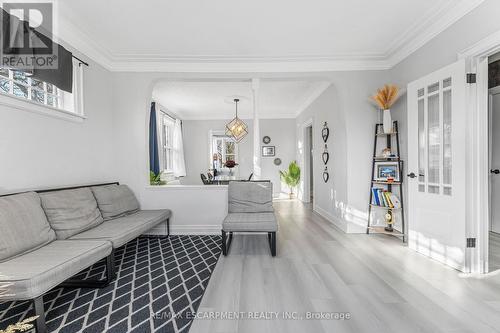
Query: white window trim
point(27, 105)
point(167, 171)
point(211, 136)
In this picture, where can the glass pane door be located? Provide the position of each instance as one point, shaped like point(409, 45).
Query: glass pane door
point(434, 138)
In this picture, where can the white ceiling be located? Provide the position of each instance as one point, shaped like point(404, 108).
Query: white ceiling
point(257, 35)
point(213, 99)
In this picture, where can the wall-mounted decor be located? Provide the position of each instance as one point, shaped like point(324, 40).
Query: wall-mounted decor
point(325, 132)
point(277, 161)
point(268, 151)
point(266, 140)
point(325, 156)
point(387, 171)
point(326, 175)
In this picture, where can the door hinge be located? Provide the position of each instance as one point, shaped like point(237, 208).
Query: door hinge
point(471, 78)
point(471, 242)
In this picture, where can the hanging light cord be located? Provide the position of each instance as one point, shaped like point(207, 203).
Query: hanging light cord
point(236, 100)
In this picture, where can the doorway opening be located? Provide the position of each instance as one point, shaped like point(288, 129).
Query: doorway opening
point(494, 161)
point(310, 168)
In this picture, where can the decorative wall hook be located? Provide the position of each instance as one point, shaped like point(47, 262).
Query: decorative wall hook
point(325, 133)
point(325, 156)
point(326, 175)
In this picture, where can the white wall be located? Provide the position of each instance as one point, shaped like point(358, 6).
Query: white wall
point(330, 199)
point(282, 133)
point(351, 118)
point(42, 151)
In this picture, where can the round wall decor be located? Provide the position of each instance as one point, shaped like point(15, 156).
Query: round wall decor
point(266, 140)
point(277, 161)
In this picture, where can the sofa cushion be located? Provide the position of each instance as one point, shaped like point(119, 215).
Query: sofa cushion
point(37, 272)
point(71, 211)
point(23, 225)
point(250, 197)
point(115, 200)
point(250, 222)
point(121, 230)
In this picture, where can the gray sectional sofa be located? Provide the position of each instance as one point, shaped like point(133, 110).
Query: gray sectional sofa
point(49, 236)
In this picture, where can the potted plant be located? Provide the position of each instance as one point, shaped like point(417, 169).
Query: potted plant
point(291, 177)
point(155, 179)
point(230, 164)
point(385, 99)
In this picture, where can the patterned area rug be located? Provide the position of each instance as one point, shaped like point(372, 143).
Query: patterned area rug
point(160, 282)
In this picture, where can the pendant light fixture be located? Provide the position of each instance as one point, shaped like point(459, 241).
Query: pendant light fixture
point(236, 128)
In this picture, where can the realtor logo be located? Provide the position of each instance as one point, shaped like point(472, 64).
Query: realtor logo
point(27, 36)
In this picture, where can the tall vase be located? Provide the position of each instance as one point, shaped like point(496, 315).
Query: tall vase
point(387, 121)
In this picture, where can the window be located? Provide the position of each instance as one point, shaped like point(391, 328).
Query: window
point(224, 148)
point(25, 87)
point(167, 138)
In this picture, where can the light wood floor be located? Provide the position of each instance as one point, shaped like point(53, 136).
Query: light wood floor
point(382, 284)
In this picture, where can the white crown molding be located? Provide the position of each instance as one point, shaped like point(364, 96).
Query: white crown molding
point(80, 41)
point(264, 66)
point(437, 19)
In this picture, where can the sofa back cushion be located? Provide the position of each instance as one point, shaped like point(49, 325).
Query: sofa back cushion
point(115, 200)
point(23, 225)
point(250, 197)
point(71, 211)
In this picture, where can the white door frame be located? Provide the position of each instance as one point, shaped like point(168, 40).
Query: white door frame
point(491, 92)
point(478, 213)
point(304, 161)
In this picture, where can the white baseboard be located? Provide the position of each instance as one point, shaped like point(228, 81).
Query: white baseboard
point(186, 230)
point(339, 223)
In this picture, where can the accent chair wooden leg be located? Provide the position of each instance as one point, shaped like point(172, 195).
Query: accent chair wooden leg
point(40, 325)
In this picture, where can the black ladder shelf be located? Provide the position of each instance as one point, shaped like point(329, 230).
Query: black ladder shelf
point(395, 157)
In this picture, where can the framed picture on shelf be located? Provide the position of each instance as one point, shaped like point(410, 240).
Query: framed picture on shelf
point(268, 151)
point(387, 171)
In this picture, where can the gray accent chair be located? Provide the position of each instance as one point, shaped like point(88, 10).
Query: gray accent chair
point(250, 209)
point(49, 236)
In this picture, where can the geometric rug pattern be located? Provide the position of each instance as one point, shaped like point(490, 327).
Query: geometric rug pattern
point(160, 282)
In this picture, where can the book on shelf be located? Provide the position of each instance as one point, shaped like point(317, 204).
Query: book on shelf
point(384, 198)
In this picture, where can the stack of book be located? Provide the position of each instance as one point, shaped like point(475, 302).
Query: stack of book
point(384, 198)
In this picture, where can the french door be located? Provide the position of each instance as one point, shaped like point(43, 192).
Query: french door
point(436, 165)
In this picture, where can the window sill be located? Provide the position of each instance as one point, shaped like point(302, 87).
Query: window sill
point(46, 110)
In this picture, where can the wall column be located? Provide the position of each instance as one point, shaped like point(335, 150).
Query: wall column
point(256, 129)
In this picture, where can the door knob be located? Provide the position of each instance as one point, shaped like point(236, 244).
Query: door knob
point(412, 175)
point(495, 171)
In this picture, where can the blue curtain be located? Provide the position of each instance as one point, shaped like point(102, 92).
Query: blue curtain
point(154, 159)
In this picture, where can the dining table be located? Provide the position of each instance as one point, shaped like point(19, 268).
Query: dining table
point(225, 179)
